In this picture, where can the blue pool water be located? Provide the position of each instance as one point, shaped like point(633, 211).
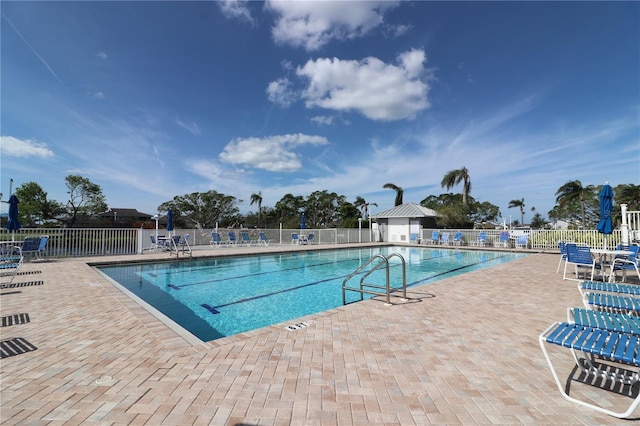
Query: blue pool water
point(218, 297)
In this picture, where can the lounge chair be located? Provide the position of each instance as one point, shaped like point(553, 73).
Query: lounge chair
point(231, 238)
point(413, 238)
point(262, 238)
point(625, 264)
point(611, 302)
point(310, 237)
point(435, 237)
point(621, 349)
point(445, 239)
point(216, 240)
point(522, 241)
point(587, 286)
point(482, 239)
point(580, 257)
point(154, 243)
point(10, 262)
point(295, 239)
point(245, 238)
point(503, 240)
point(610, 321)
point(457, 239)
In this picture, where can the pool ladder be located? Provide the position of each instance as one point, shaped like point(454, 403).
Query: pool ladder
point(383, 262)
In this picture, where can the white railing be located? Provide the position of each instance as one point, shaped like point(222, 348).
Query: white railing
point(74, 242)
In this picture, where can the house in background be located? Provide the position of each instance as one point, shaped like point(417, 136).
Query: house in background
point(397, 224)
point(123, 217)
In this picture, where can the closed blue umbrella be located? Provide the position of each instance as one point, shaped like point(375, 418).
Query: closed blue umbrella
point(170, 220)
point(13, 224)
point(605, 225)
point(303, 223)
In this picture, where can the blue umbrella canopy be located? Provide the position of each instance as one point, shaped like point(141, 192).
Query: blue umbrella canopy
point(13, 224)
point(170, 220)
point(605, 226)
point(303, 223)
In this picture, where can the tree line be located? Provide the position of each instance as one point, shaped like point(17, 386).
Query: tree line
point(575, 203)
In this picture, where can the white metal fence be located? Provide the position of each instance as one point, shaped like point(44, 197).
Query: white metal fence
point(73, 242)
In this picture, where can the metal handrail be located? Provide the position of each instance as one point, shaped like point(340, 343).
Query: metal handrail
point(384, 261)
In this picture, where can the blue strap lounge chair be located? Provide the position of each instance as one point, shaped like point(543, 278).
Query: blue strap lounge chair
point(295, 239)
point(503, 240)
point(413, 238)
point(619, 348)
point(245, 239)
point(580, 257)
point(562, 246)
point(482, 239)
point(522, 241)
point(216, 240)
point(457, 238)
point(42, 247)
point(611, 302)
point(435, 237)
point(445, 239)
point(231, 238)
point(10, 262)
point(586, 286)
point(310, 238)
point(262, 238)
point(610, 321)
point(31, 246)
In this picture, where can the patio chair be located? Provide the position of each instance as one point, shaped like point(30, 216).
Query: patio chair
point(445, 239)
point(625, 264)
point(10, 262)
point(413, 238)
point(621, 349)
point(579, 257)
point(295, 239)
point(42, 247)
point(563, 254)
point(262, 238)
point(457, 239)
point(31, 246)
point(503, 240)
point(310, 237)
point(435, 237)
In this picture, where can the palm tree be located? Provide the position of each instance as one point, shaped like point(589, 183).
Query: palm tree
point(399, 192)
point(454, 177)
point(362, 204)
point(628, 194)
point(572, 192)
point(257, 198)
point(518, 203)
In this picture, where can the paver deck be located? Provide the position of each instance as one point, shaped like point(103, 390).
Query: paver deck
point(463, 350)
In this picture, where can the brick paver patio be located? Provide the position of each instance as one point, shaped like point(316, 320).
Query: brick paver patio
point(461, 351)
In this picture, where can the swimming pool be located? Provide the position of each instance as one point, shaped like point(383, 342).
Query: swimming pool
point(220, 297)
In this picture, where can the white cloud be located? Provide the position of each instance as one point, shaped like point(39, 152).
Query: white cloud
point(101, 55)
point(312, 24)
point(281, 92)
point(377, 90)
point(236, 9)
point(323, 120)
point(274, 153)
point(189, 126)
point(14, 147)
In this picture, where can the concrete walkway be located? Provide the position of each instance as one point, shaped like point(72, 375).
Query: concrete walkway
point(462, 351)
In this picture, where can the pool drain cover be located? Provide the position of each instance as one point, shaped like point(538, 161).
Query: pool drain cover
point(103, 380)
point(298, 326)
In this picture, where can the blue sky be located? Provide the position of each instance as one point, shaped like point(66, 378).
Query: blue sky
point(156, 99)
